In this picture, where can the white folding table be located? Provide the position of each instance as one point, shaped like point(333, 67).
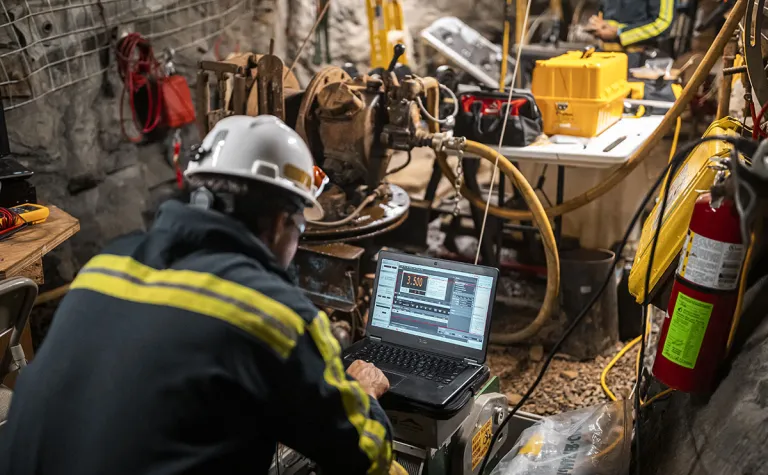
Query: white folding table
point(589, 152)
point(612, 147)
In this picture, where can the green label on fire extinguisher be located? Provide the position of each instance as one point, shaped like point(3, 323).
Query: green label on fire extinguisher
point(686, 331)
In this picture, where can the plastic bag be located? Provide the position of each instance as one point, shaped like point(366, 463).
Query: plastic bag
point(591, 441)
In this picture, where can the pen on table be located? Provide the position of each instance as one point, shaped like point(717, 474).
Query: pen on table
point(615, 143)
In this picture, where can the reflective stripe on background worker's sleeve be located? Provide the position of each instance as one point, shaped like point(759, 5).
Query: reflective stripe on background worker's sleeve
point(635, 33)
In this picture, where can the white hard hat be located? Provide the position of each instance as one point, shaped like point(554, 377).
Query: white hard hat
point(259, 148)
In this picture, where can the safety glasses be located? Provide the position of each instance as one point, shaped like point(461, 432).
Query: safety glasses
point(299, 222)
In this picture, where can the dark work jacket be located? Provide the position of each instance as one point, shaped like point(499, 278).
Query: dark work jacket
point(187, 350)
point(639, 21)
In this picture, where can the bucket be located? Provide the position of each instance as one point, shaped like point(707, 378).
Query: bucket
point(582, 272)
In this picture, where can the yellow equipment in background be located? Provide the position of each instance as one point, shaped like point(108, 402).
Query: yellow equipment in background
point(694, 175)
point(581, 93)
point(386, 28)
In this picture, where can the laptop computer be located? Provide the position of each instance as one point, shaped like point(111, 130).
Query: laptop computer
point(428, 325)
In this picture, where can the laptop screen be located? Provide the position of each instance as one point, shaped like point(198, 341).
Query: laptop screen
point(431, 302)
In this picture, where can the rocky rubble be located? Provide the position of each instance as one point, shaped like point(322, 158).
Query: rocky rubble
point(567, 385)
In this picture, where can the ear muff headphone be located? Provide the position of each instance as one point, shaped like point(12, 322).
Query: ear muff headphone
point(205, 199)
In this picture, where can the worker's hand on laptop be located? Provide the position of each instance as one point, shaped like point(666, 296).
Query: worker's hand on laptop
point(370, 378)
point(602, 29)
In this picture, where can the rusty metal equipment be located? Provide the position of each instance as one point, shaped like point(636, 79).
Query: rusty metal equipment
point(238, 80)
point(351, 126)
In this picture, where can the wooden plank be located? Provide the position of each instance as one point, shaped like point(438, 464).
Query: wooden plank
point(34, 272)
point(270, 84)
point(28, 246)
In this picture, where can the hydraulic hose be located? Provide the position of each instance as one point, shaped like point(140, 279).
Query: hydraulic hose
point(547, 237)
point(713, 53)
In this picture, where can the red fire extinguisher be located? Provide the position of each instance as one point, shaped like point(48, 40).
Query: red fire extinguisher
point(703, 301)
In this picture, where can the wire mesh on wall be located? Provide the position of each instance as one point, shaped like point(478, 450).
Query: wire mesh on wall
point(48, 45)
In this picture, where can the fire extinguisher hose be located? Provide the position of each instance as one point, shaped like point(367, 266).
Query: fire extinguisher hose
point(710, 58)
point(547, 237)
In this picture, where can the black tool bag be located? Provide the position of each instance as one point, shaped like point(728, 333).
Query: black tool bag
point(480, 117)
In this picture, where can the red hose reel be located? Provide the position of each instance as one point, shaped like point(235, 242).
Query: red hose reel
point(156, 99)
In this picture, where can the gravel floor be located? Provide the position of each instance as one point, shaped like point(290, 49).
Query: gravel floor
point(567, 384)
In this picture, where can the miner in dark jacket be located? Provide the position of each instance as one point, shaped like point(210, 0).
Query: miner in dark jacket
point(188, 350)
point(633, 22)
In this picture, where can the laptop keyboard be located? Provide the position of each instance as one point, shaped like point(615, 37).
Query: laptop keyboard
point(433, 368)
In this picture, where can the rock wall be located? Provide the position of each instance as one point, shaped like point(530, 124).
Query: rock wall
point(348, 27)
point(72, 138)
point(727, 433)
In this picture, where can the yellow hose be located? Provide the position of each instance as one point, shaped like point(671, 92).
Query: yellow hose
point(742, 289)
point(54, 294)
point(657, 396)
point(547, 237)
point(702, 71)
point(673, 149)
point(615, 360)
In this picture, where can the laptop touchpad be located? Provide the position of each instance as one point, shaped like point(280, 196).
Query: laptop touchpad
point(394, 378)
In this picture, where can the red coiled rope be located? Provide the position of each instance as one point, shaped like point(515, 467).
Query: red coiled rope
point(138, 69)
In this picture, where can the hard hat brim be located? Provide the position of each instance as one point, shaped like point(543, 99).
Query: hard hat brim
point(309, 200)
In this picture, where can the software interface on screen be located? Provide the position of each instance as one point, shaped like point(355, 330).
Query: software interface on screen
point(425, 301)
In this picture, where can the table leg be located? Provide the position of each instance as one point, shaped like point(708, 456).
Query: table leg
point(559, 200)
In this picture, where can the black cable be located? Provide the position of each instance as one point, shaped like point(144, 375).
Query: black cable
point(277, 457)
point(397, 169)
point(540, 185)
point(681, 153)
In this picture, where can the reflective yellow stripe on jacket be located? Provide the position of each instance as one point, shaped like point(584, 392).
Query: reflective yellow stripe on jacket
point(373, 435)
point(125, 278)
point(650, 30)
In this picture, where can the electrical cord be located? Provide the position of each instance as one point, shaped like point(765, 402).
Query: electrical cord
point(742, 289)
point(669, 170)
point(401, 167)
point(656, 397)
point(540, 185)
point(277, 457)
point(610, 365)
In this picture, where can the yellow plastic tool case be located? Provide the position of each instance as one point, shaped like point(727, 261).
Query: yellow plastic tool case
point(694, 176)
point(580, 93)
